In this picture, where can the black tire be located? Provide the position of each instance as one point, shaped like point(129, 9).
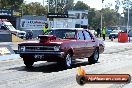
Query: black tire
point(66, 62)
point(80, 80)
point(28, 63)
point(109, 37)
point(94, 58)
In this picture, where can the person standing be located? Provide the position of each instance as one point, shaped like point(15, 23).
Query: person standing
point(98, 32)
point(45, 27)
point(104, 32)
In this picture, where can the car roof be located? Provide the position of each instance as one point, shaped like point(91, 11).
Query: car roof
point(68, 28)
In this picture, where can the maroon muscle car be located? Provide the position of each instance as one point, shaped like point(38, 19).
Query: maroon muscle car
point(62, 45)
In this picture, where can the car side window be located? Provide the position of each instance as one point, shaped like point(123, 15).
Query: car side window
point(87, 35)
point(80, 35)
point(3, 28)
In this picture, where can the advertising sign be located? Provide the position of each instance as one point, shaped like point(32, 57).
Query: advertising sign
point(32, 23)
point(5, 12)
point(57, 15)
point(17, 12)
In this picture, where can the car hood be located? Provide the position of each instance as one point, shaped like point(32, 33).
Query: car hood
point(52, 42)
point(18, 31)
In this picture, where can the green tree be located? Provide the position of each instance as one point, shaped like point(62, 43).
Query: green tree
point(125, 11)
point(34, 8)
point(61, 6)
point(117, 5)
point(3, 4)
point(92, 17)
point(110, 17)
point(81, 6)
point(69, 5)
point(15, 4)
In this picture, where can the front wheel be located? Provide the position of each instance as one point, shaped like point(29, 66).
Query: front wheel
point(28, 63)
point(94, 58)
point(109, 37)
point(67, 61)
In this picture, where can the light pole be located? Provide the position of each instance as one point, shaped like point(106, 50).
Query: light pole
point(128, 18)
point(43, 3)
point(48, 5)
point(56, 6)
point(101, 20)
point(101, 13)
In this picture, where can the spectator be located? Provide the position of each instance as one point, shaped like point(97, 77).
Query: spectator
point(104, 32)
point(98, 32)
point(45, 27)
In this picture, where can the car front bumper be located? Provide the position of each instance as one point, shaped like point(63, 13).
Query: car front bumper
point(43, 56)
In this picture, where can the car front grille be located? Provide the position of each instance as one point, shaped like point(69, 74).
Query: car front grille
point(39, 48)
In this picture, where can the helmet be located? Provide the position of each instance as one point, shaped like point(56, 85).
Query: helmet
point(46, 25)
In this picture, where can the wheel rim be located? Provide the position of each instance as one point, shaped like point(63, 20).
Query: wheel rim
point(68, 60)
point(96, 55)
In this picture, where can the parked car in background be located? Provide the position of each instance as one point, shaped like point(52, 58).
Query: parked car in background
point(114, 34)
point(62, 45)
point(130, 33)
point(93, 32)
point(8, 27)
point(108, 31)
point(29, 35)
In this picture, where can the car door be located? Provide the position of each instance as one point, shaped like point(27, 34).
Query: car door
point(90, 43)
point(79, 45)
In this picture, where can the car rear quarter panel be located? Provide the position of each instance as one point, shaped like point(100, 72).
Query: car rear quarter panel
point(100, 44)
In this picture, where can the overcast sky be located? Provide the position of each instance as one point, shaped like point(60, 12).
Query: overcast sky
point(92, 3)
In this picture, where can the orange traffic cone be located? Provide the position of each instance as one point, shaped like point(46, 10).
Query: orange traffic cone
point(81, 71)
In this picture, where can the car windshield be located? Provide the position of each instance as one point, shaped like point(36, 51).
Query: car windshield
point(62, 33)
point(115, 31)
point(10, 27)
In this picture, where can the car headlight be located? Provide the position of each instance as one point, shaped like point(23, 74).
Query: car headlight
point(22, 48)
point(56, 48)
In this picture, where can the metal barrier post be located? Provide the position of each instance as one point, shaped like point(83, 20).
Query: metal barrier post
point(129, 39)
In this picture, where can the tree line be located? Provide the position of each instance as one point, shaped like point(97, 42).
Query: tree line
point(111, 17)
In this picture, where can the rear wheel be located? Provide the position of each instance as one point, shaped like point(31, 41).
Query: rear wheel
point(94, 58)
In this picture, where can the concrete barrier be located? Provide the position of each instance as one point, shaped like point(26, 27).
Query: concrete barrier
point(5, 37)
point(8, 37)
